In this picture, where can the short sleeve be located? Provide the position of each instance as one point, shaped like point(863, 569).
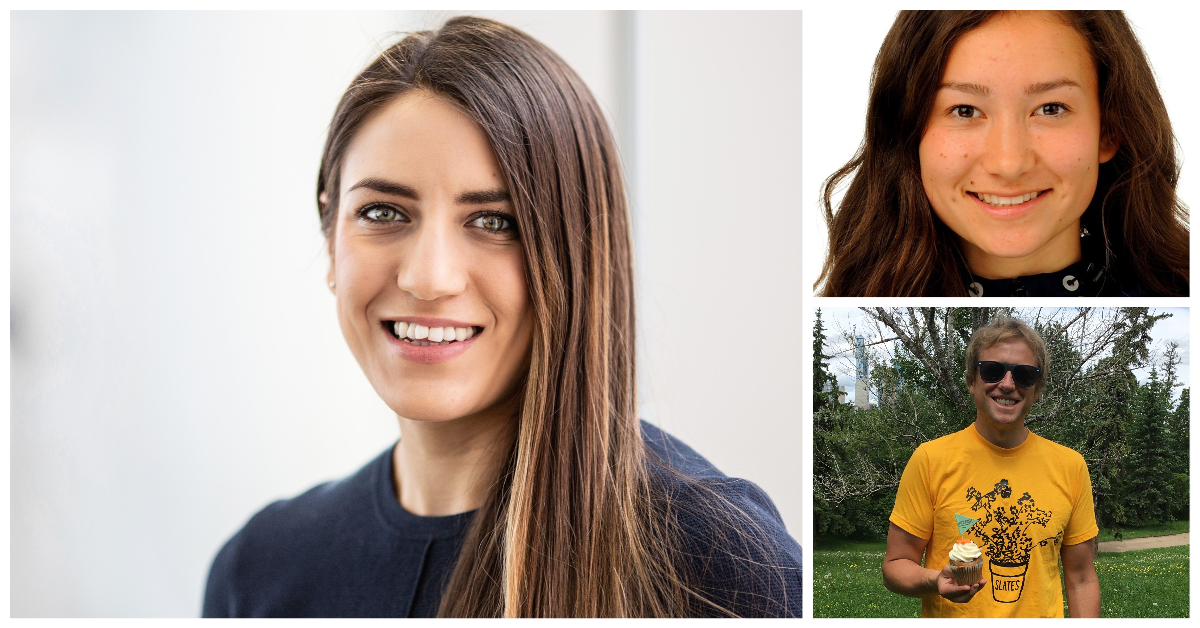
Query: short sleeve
point(1082, 525)
point(913, 511)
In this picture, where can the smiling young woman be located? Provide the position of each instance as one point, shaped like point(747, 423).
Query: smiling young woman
point(1010, 154)
point(475, 216)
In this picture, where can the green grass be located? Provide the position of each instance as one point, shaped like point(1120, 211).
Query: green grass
point(848, 582)
point(833, 543)
point(1144, 583)
point(1171, 527)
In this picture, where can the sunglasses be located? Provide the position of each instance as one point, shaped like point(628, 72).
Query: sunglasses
point(1024, 375)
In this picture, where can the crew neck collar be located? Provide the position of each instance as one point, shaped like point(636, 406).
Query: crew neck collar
point(1083, 278)
point(395, 516)
point(1024, 447)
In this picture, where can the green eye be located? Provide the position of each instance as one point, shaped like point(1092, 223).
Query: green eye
point(380, 213)
point(492, 222)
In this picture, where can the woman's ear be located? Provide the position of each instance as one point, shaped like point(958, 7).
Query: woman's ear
point(1108, 147)
point(323, 199)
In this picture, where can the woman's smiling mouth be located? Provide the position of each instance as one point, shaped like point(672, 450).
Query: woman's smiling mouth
point(437, 335)
point(1008, 207)
point(1006, 201)
point(430, 341)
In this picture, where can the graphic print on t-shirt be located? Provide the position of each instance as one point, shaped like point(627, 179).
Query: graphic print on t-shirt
point(1004, 527)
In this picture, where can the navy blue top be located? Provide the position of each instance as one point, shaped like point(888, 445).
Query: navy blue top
point(348, 549)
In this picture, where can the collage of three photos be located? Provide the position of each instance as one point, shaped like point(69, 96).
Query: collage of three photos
point(600, 314)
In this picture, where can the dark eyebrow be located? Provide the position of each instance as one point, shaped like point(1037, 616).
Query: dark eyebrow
point(1031, 90)
point(485, 196)
point(1041, 88)
point(970, 88)
point(386, 187)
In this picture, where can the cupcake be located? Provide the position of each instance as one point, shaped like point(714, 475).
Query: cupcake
point(966, 562)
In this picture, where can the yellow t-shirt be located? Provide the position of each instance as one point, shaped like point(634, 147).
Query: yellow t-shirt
point(1029, 500)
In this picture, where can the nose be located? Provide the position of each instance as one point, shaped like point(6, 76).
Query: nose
point(431, 266)
point(1007, 383)
point(1009, 151)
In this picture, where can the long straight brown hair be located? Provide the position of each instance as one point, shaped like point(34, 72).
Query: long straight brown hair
point(572, 526)
point(885, 239)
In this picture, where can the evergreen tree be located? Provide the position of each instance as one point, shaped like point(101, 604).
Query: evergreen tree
point(821, 375)
point(1148, 476)
point(1179, 435)
point(1180, 427)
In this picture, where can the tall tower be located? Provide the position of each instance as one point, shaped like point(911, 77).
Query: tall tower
point(861, 396)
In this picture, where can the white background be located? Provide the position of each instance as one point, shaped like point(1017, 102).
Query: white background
point(176, 361)
point(835, 103)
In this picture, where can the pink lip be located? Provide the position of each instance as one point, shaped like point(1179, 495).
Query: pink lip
point(1012, 211)
point(433, 354)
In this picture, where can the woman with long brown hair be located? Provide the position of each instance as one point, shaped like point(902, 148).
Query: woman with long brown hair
point(1009, 154)
point(472, 202)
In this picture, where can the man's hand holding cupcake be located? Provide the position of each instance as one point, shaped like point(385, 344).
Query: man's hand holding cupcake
point(949, 588)
point(960, 580)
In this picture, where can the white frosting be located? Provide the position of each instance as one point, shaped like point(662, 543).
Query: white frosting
point(965, 552)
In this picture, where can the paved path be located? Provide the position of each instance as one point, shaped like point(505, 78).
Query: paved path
point(1144, 543)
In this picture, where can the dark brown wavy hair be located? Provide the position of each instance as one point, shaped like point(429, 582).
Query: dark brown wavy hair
point(885, 239)
point(574, 524)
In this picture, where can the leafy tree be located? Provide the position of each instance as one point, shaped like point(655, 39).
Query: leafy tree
point(1131, 436)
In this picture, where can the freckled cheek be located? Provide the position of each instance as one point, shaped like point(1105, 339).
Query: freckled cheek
point(1073, 156)
point(945, 165)
point(945, 159)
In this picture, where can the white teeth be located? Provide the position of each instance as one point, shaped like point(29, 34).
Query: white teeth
point(1006, 402)
point(423, 336)
point(1005, 201)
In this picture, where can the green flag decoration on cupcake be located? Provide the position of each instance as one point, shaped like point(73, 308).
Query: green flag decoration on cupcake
point(964, 523)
